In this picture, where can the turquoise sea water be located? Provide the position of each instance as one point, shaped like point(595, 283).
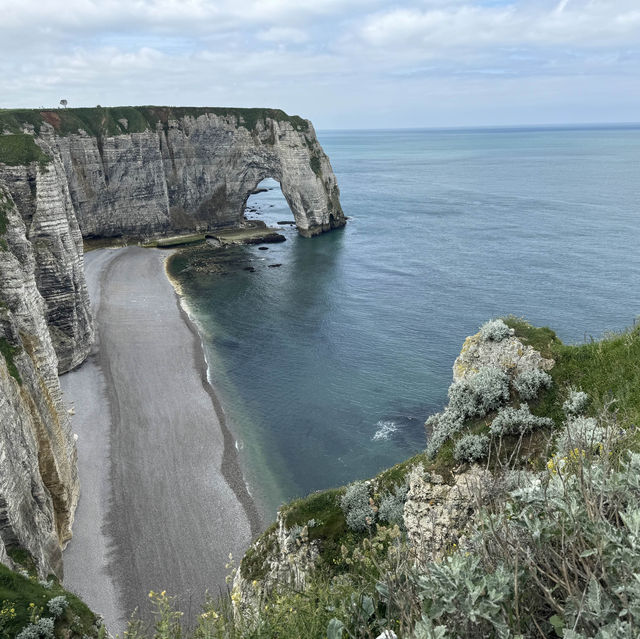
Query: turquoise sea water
point(328, 365)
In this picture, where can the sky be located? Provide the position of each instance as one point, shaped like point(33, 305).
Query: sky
point(341, 63)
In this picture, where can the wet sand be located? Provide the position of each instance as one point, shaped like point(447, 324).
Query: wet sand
point(163, 501)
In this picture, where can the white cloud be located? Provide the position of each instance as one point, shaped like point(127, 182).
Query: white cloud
point(331, 57)
point(583, 23)
point(283, 35)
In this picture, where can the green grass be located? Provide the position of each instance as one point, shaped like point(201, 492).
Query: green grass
point(20, 148)
point(105, 121)
point(8, 352)
point(604, 369)
point(22, 591)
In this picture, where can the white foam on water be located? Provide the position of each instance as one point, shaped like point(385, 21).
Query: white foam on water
point(385, 429)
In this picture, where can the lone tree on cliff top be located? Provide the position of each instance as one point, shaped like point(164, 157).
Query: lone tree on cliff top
point(63, 103)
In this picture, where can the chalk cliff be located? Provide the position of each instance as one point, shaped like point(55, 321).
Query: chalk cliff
point(38, 474)
point(145, 171)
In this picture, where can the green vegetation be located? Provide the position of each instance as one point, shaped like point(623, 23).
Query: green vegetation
point(180, 240)
point(316, 167)
point(24, 600)
point(605, 369)
point(107, 121)
point(8, 352)
point(20, 148)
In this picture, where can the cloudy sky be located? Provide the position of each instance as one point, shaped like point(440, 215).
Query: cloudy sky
point(342, 63)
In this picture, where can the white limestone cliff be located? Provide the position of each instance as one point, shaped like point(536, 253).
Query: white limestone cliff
point(38, 473)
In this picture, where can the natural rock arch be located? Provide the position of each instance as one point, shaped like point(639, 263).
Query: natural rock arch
point(191, 170)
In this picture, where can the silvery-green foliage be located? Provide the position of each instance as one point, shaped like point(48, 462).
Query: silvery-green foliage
point(471, 448)
point(473, 396)
point(392, 506)
point(582, 433)
point(293, 535)
point(461, 595)
point(47, 585)
point(41, 629)
point(57, 606)
point(529, 383)
point(335, 629)
point(494, 330)
point(425, 629)
point(441, 427)
point(579, 525)
point(573, 541)
point(356, 506)
point(479, 394)
point(576, 403)
point(517, 421)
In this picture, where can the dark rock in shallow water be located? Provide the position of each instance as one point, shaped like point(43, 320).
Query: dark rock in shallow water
point(256, 191)
point(270, 238)
point(274, 265)
point(291, 222)
point(263, 248)
point(251, 269)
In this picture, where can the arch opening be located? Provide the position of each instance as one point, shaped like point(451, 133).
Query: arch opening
point(267, 203)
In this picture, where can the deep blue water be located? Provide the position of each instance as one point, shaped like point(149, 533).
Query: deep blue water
point(328, 365)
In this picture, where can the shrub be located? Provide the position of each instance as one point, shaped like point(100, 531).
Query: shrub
point(477, 395)
point(442, 426)
point(581, 433)
point(392, 506)
point(517, 421)
point(41, 629)
point(576, 403)
point(529, 383)
point(471, 448)
point(57, 606)
point(495, 331)
point(555, 557)
point(356, 505)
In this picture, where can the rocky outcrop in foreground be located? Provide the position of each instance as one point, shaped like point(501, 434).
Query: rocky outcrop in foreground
point(38, 473)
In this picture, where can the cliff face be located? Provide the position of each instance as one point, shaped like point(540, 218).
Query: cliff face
point(41, 195)
point(38, 475)
point(157, 170)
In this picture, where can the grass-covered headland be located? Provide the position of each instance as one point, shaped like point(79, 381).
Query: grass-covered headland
point(551, 543)
point(108, 121)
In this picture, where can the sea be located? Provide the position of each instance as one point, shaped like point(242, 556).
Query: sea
point(329, 353)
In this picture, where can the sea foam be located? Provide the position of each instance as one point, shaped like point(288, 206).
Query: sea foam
point(385, 429)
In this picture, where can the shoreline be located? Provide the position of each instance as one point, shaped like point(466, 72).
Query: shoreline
point(163, 497)
point(231, 468)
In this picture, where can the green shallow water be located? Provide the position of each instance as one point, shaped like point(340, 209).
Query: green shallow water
point(328, 365)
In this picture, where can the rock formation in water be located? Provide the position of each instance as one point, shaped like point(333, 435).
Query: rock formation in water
point(38, 473)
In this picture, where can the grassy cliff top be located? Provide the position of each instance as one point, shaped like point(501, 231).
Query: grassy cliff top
point(107, 120)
